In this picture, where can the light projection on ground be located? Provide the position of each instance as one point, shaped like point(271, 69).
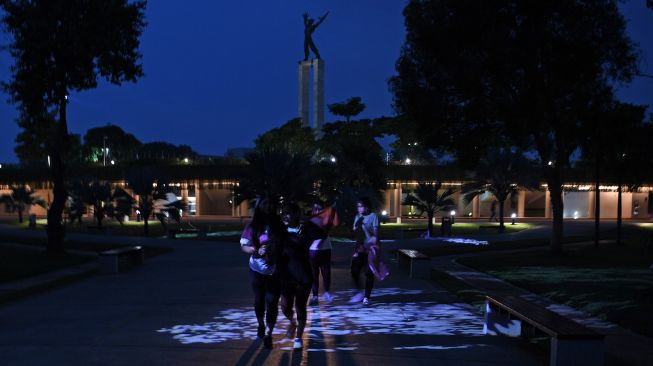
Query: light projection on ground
point(343, 321)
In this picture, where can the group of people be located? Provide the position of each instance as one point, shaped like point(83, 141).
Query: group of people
point(288, 254)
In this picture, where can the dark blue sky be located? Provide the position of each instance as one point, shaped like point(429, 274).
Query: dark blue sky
point(219, 73)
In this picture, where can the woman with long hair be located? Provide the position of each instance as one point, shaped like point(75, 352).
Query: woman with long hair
point(263, 240)
point(295, 274)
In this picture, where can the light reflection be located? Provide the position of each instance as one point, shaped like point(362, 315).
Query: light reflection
point(439, 348)
point(386, 315)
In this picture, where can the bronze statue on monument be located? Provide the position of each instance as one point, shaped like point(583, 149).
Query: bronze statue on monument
point(309, 27)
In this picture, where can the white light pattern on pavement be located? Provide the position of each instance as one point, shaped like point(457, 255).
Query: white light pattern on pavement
point(341, 318)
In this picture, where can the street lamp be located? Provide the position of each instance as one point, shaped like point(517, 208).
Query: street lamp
point(453, 216)
point(513, 216)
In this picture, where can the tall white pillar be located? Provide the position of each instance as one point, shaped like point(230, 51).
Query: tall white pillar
point(476, 207)
point(318, 67)
point(398, 197)
point(521, 203)
point(304, 80)
point(318, 94)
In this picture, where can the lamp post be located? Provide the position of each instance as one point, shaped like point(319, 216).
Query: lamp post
point(513, 216)
point(453, 216)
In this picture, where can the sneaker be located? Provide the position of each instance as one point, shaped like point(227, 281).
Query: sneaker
point(261, 331)
point(328, 297)
point(314, 300)
point(267, 341)
point(366, 301)
point(297, 344)
point(356, 298)
point(290, 333)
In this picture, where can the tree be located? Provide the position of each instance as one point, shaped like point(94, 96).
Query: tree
point(144, 183)
point(277, 174)
point(122, 206)
point(430, 197)
point(159, 150)
point(348, 109)
point(20, 199)
point(501, 173)
point(615, 138)
point(110, 142)
point(356, 168)
point(291, 137)
point(64, 46)
point(529, 71)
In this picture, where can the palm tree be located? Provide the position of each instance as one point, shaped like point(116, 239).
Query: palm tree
point(122, 205)
point(277, 173)
point(428, 199)
point(98, 195)
point(20, 199)
point(143, 183)
point(500, 173)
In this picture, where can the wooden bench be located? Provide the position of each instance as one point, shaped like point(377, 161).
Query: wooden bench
point(571, 343)
point(110, 260)
point(172, 233)
point(418, 264)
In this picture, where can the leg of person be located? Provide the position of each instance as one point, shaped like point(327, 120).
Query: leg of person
point(272, 293)
point(305, 50)
point(369, 282)
point(287, 303)
point(257, 281)
point(356, 267)
point(325, 268)
point(314, 49)
point(301, 298)
point(315, 266)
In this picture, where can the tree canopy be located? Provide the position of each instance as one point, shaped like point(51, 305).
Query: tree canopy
point(528, 72)
point(59, 47)
point(352, 107)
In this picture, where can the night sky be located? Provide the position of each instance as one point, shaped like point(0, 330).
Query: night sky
point(219, 73)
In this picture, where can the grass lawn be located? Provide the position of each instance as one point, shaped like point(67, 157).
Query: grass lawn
point(18, 263)
point(611, 282)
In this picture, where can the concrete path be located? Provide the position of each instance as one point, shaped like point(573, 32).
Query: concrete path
point(193, 306)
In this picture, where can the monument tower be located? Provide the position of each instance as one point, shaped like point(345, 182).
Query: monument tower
point(317, 65)
point(318, 92)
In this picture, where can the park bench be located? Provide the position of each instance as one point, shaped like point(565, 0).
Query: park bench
point(418, 264)
point(571, 343)
point(172, 233)
point(110, 260)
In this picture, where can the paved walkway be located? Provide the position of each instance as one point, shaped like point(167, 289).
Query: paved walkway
point(193, 306)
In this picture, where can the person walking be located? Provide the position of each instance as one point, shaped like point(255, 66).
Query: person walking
point(320, 250)
point(367, 254)
point(295, 274)
point(262, 239)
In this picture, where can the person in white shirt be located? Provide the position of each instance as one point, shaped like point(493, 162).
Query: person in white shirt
point(366, 233)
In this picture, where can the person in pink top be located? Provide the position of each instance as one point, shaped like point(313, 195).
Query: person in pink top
point(263, 240)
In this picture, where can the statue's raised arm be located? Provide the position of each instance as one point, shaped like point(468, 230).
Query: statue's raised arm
point(321, 19)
